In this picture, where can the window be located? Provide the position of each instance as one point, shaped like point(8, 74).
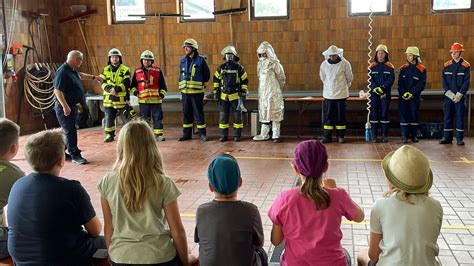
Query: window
point(122, 8)
point(452, 5)
point(365, 7)
point(269, 9)
point(198, 10)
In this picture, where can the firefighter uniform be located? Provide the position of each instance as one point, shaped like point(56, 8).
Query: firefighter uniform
point(411, 82)
point(336, 76)
point(382, 76)
point(118, 79)
point(194, 73)
point(456, 77)
point(230, 89)
point(149, 85)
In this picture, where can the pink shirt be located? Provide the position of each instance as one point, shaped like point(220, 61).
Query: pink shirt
point(312, 237)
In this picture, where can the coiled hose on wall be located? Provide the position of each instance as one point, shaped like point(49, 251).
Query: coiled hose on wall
point(38, 86)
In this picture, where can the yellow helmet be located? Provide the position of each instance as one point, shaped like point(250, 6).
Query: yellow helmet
point(381, 47)
point(190, 43)
point(147, 54)
point(115, 51)
point(229, 50)
point(413, 50)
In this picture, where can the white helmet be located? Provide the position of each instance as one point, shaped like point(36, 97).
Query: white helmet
point(190, 43)
point(147, 54)
point(115, 51)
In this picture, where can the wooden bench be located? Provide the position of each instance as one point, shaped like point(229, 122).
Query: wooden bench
point(302, 98)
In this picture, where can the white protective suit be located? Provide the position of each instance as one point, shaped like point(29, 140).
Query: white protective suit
point(271, 79)
point(336, 78)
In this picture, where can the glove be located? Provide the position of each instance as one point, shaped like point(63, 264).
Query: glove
point(450, 95)
point(379, 91)
point(407, 96)
point(363, 94)
point(458, 97)
point(118, 89)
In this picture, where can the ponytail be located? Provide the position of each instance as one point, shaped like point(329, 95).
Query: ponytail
point(313, 190)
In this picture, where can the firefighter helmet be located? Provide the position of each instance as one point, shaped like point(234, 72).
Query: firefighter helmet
point(413, 50)
point(115, 51)
point(147, 54)
point(229, 50)
point(381, 47)
point(456, 47)
point(190, 43)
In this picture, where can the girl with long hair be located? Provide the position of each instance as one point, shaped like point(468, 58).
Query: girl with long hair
point(142, 224)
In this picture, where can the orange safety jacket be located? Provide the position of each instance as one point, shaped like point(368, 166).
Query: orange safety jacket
point(148, 88)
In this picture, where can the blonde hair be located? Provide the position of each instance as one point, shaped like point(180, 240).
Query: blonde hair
point(401, 195)
point(9, 134)
point(139, 165)
point(313, 189)
point(44, 149)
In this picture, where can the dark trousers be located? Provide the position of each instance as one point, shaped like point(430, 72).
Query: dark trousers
point(68, 124)
point(110, 115)
point(334, 116)
point(379, 113)
point(193, 107)
point(225, 108)
point(153, 112)
point(4, 243)
point(409, 118)
point(454, 110)
point(173, 262)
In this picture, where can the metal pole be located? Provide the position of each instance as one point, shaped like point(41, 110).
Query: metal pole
point(231, 30)
point(47, 39)
point(87, 47)
point(162, 44)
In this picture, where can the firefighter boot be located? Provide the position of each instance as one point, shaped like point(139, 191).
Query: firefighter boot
point(224, 133)
point(187, 132)
point(447, 138)
point(264, 133)
point(340, 136)
point(237, 134)
point(109, 137)
point(327, 138)
point(460, 138)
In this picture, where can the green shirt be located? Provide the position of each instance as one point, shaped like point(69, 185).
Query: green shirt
point(9, 173)
point(142, 237)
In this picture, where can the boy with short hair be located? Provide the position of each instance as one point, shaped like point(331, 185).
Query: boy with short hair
point(46, 213)
point(229, 231)
point(9, 173)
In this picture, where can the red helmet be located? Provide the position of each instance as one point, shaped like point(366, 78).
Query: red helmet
point(457, 47)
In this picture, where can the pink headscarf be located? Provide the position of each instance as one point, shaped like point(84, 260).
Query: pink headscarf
point(310, 157)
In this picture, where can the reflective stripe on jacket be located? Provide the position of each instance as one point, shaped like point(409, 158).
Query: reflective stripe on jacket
point(120, 81)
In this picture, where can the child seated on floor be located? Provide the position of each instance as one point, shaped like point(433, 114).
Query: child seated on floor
point(308, 217)
point(46, 212)
point(229, 231)
point(9, 173)
point(406, 222)
point(142, 223)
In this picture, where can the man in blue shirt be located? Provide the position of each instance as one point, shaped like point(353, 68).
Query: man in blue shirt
point(455, 77)
point(47, 213)
point(69, 92)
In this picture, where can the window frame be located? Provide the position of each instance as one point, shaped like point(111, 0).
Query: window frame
point(471, 9)
point(114, 19)
point(185, 19)
point(365, 14)
point(253, 17)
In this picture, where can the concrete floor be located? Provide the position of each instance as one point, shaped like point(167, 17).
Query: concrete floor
point(266, 171)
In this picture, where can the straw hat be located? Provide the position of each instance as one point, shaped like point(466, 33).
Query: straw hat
point(332, 50)
point(408, 169)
